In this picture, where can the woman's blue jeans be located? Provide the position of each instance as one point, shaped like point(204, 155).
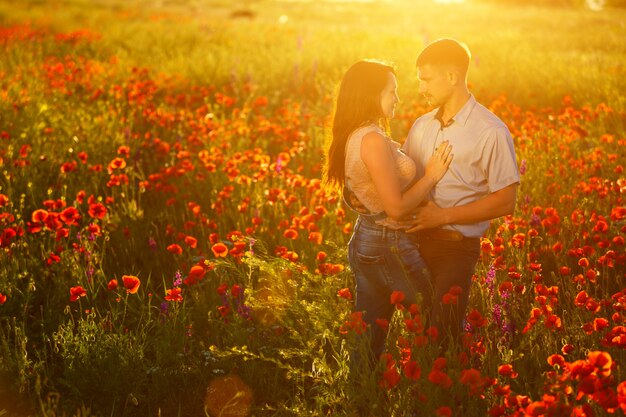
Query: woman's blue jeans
point(384, 260)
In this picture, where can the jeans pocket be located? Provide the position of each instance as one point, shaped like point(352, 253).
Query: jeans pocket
point(364, 259)
point(372, 270)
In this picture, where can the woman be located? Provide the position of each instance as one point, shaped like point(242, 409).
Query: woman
point(363, 158)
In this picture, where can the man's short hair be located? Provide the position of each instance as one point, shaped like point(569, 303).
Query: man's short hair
point(445, 51)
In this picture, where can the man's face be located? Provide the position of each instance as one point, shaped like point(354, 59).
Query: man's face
point(435, 85)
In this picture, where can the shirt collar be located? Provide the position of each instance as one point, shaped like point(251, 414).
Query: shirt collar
point(461, 116)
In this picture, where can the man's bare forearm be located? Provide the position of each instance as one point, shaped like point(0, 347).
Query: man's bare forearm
point(497, 204)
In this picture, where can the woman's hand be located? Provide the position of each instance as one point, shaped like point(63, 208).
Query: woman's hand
point(438, 164)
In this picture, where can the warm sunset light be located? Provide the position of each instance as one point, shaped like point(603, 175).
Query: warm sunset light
point(347, 208)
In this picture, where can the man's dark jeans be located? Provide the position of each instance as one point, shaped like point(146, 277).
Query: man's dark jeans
point(451, 263)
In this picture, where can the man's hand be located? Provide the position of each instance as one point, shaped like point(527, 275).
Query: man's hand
point(427, 216)
point(492, 206)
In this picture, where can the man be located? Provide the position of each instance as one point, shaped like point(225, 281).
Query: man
point(480, 185)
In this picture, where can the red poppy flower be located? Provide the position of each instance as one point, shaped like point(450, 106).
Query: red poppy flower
point(602, 361)
point(3, 298)
point(220, 250)
point(518, 240)
point(556, 359)
point(382, 323)
point(4, 200)
point(94, 229)
point(53, 258)
point(345, 293)
point(291, 234)
point(474, 380)
point(433, 332)
point(476, 319)
point(621, 396)
point(62, 233)
point(116, 163)
point(440, 363)
point(175, 249)
point(131, 283)
point(355, 323)
point(238, 248)
point(506, 286)
point(553, 322)
point(7, 235)
point(397, 297)
point(174, 294)
point(581, 298)
point(191, 241)
point(600, 323)
point(564, 270)
point(506, 370)
point(112, 285)
point(123, 150)
point(414, 325)
point(440, 378)
point(222, 288)
point(486, 246)
point(456, 290)
point(214, 238)
point(70, 216)
point(196, 273)
point(68, 167)
point(391, 378)
point(224, 310)
point(97, 210)
point(236, 291)
point(443, 411)
point(411, 370)
point(316, 237)
point(39, 216)
point(448, 298)
point(77, 292)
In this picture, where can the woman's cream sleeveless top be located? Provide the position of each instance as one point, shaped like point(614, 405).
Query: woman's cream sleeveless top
point(358, 178)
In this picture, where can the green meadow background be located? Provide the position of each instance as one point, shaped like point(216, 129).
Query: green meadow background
point(214, 115)
point(534, 52)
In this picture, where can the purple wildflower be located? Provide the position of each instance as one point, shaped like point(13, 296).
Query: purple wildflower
point(178, 278)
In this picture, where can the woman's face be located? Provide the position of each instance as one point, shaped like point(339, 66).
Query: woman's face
point(389, 96)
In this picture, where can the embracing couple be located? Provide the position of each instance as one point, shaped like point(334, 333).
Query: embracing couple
point(423, 205)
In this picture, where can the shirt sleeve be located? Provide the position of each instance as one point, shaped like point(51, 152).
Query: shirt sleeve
point(499, 163)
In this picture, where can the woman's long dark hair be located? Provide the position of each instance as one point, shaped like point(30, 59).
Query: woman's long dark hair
point(357, 105)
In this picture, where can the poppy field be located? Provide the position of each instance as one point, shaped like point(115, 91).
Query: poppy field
point(168, 246)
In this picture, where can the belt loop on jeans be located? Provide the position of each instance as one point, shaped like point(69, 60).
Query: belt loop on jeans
point(384, 232)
